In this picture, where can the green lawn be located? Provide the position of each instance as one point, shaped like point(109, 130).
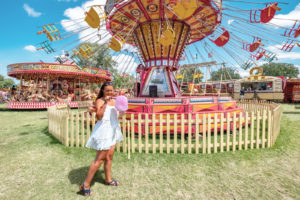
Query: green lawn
point(35, 166)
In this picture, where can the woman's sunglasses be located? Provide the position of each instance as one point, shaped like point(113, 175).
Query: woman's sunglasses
point(107, 83)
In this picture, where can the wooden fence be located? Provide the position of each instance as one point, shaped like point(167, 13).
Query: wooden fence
point(258, 127)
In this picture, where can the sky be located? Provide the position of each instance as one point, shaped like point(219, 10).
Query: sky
point(20, 20)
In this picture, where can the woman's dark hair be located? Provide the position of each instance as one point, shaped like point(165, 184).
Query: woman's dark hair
point(101, 94)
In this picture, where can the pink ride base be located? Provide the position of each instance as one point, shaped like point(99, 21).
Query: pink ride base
point(37, 105)
point(182, 107)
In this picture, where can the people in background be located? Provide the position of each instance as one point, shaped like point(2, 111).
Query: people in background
point(255, 96)
point(242, 93)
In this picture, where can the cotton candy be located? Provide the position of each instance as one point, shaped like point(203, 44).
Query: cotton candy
point(121, 103)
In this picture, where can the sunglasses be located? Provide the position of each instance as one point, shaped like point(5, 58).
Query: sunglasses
point(107, 83)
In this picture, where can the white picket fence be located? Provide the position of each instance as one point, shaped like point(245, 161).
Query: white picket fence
point(257, 128)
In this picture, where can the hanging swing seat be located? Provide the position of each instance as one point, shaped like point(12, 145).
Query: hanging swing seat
point(253, 46)
point(199, 75)
point(46, 47)
point(167, 38)
point(259, 54)
point(294, 31)
point(264, 15)
point(289, 45)
point(247, 65)
point(222, 39)
point(75, 58)
point(185, 9)
point(51, 32)
point(116, 44)
point(85, 50)
point(93, 19)
point(271, 57)
point(179, 76)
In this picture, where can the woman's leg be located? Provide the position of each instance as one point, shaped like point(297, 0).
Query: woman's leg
point(100, 158)
point(107, 164)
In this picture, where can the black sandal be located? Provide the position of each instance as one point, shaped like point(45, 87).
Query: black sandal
point(85, 192)
point(112, 183)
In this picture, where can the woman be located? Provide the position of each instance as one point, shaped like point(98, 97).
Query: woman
point(106, 134)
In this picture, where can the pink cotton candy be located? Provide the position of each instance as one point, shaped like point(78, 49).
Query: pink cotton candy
point(121, 103)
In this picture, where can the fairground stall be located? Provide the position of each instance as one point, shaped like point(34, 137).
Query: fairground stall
point(292, 90)
point(46, 84)
point(265, 87)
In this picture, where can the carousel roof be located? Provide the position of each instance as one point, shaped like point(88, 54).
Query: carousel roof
point(203, 17)
point(64, 70)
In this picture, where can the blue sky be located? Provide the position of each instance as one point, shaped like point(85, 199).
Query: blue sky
point(20, 21)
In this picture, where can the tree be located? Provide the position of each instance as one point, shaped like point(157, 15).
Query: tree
point(280, 69)
point(123, 81)
point(216, 75)
point(1, 78)
point(6, 83)
point(188, 74)
point(101, 58)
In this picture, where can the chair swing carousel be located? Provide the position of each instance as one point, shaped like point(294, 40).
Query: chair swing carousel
point(195, 86)
point(162, 36)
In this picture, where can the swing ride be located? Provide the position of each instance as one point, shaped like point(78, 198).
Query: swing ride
point(164, 36)
point(222, 87)
point(46, 84)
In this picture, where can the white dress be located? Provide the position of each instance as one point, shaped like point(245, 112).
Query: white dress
point(107, 132)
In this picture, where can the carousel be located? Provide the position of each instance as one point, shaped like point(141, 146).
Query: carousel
point(46, 84)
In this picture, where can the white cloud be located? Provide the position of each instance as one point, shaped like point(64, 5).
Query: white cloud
point(31, 12)
point(289, 55)
point(275, 48)
point(294, 14)
point(261, 62)
point(243, 73)
point(76, 24)
point(283, 54)
point(30, 48)
point(230, 21)
point(126, 63)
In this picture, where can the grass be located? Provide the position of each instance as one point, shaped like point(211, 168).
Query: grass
point(34, 165)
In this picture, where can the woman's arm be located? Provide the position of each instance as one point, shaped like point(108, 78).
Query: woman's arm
point(121, 114)
point(100, 108)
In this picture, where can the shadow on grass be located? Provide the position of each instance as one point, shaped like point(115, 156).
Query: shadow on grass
point(51, 137)
point(77, 177)
point(291, 112)
point(24, 133)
